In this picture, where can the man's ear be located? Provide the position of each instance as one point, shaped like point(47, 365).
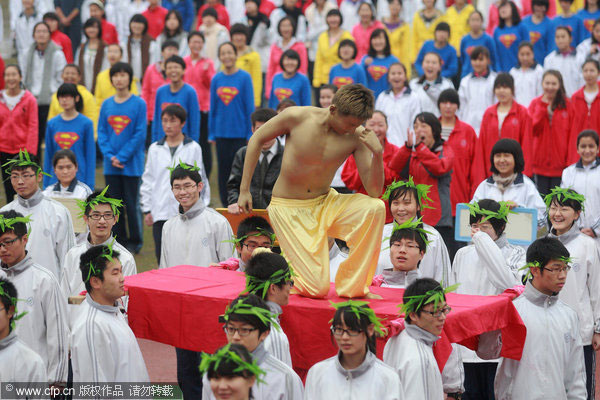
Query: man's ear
point(332, 109)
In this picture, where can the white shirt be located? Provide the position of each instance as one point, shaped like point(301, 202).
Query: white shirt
point(12, 101)
point(277, 343)
point(103, 347)
point(569, 68)
point(552, 364)
point(428, 98)
point(400, 111)
point(476, 95)
point(44, 326)
point(328, 380)
point(18, 363)
point(51, 226)
point(528, 83)
point(585, 181)
point(196, 237)
point(76, 190)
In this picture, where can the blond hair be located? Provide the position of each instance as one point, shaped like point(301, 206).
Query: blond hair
point(354, 100)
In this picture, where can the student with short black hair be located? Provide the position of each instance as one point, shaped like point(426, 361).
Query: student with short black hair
point(103, 346)
point(65, 166)
point(347, 71)
point(290, 84)
point(440, 45)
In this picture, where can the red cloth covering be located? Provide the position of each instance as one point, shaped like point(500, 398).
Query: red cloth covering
point(156, 20)
point(65, 44)
point(180, 306)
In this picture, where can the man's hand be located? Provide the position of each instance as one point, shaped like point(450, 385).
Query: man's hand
point(474, 231)
point(234, 209)
point(369, 139)
point(116, 163)
point(596, 342)
point(148, 220)
point(245, 201)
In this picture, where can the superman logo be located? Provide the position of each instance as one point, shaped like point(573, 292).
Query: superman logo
point(508, 39)
point(65, 140)
point(166, 104)
point(340, 81)
point(534, 37)
point(119, 122)
point(589, 24)
point(377, 71)
point(470, 50)
point(227, 94)
point(283, 93)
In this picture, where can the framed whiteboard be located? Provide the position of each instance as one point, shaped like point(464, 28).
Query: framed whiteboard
point(521, 228)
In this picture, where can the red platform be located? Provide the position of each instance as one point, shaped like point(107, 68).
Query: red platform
point(180, 306)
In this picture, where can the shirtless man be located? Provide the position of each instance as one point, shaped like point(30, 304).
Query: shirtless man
point(304, 210)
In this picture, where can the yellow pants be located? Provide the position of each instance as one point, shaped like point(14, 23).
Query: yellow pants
point(302, 228)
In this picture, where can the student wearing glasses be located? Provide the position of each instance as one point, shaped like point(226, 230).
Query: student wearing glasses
point(100, 214)
point(355, 372)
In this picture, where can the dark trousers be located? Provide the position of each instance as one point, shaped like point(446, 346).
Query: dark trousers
point(226, 149)
point(546, 183)
point(8, 188)
point(479, 381)
point(157, 229)
point(127, 188)
point(42, 120)
point(206, 150)
point(589, 355)
point(188, 374)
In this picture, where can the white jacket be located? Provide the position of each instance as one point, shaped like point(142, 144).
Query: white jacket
point(51, 226)
point(76, 190)
point(528, 84)
point(435, 263)
point(18, 363)
point(328, 380)
point(156, 196)
point(486, 268)
point(196, 237)
point(476, 95)
point(569, 68)
point(72, 284)
point(585, 181)
point(411, 354)
point(400, 111)
point(277, 343)
point(552, 363)
point(281, 382)
point(103, 347)
point(44, 328)
point(583, 51)
point(582, 289)
point(522, 191)
point(428, 98)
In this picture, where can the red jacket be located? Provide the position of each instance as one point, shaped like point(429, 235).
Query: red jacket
point(583, 118)
point(516, 125)
point(1, 73)
point(550, 140)
point(65, 43)
point(222, 15)
point(352, 179)
point(156, 20)
point(199, 76)
point(462, 141)
point(430, 168)
point(153, 79)
point(19, 126)
point(109, 32)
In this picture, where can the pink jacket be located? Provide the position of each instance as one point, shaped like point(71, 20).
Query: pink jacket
point(153, 79)
point(19, 126)
point(199, 76)
point(276, 52)
point(362, 36)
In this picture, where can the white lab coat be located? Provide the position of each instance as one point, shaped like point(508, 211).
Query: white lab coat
point(435, 263)
point(569, 68)
point(156, 196)
point(104, 348)
point(582, 289)
point(280, 382)
point(528, 83)
point(552, 363)
point(476, 95)
point(196, 237)
point(51, 226)
point(585, 181)
point(328, 380)
point(428, 98)
point(44, 328)
point(411, 354)
point(72, 283)
point(400, 111)
point(18, 363)
point(277, 343)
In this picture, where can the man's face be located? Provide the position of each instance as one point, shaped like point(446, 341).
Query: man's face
point(196, 44)
point(431, 323)
point(71, 75)
point(238, 40)
point(186, 192)
point(552, 279)
point(251, 243)
point(174, 72)
point(13, 248)
point(113, 54)
point(280, 294)
point(101, 220)
point(343, 124)
point(171, 125)
point(405, 254)
point(251, 340)
point(25, 182)
point(113, 286)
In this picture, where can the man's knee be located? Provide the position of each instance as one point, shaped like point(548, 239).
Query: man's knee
point(319, 290)
point(376, 207)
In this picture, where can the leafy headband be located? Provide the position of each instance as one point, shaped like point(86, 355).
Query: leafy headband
point(361, 308)
point(185, 166)
point(6, 224)
point(115, 204)
point(107, 252)
point(13, 301)
point(224, 354)
point(434, 296)
point(501, 214)
point(240, 307)
point(416, 225)
point(422, 191)
point(260, 286)
point(562, 194)
point(536, 264)
point(237, 241)
point(23, 160)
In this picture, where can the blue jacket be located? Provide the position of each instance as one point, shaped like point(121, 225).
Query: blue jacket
point(340, 76)
point(296, 88)
point(231, 104)
point(449, 58)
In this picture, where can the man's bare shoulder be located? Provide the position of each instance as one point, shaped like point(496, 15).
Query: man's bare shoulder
point(302, 113)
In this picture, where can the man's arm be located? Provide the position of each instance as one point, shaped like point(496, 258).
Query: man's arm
point(276, 126)
point(369, 161)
